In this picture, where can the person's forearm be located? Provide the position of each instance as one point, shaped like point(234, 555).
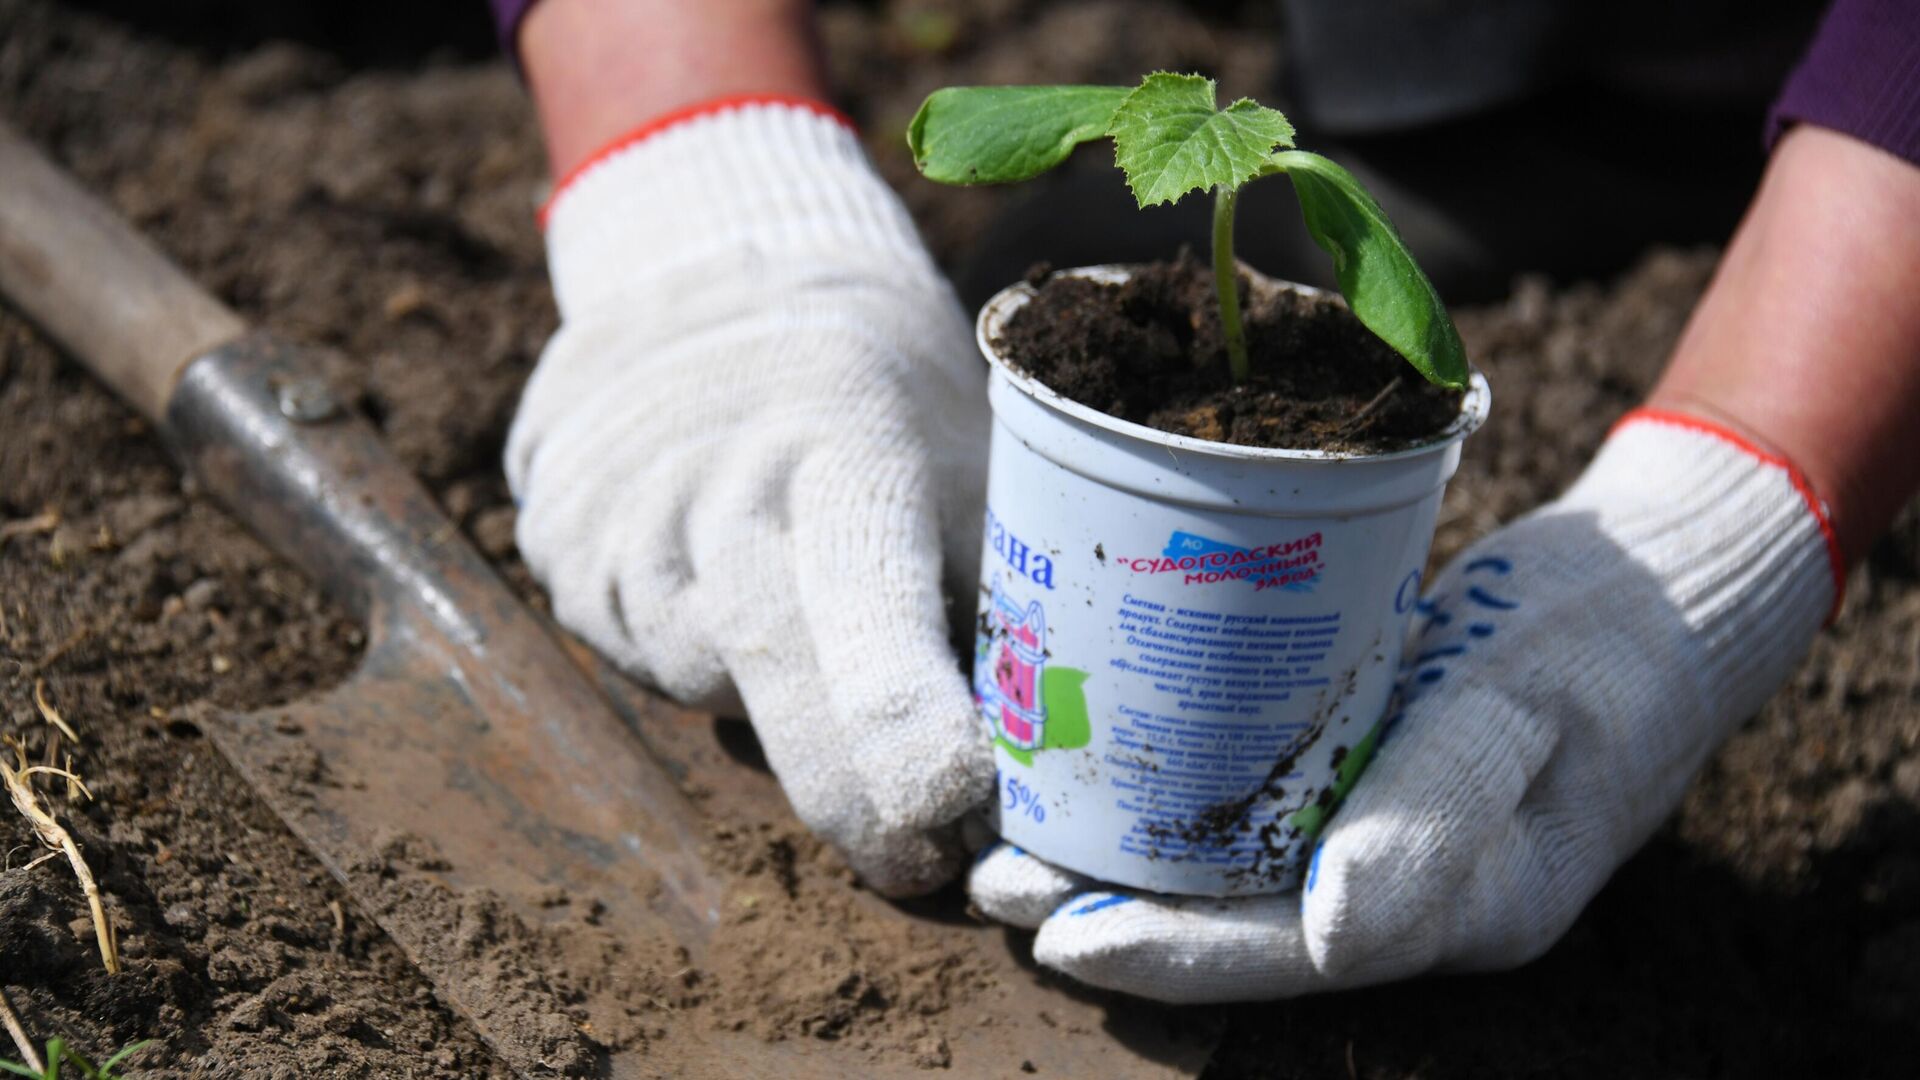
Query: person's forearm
point(600, 68)
point(1808, 339)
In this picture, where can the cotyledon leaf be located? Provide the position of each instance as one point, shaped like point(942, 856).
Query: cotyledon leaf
point(1000, 134)
point(1170, 138)
point(1377, 274)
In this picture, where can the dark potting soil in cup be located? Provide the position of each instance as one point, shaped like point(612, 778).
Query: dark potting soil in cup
point(1151, 350)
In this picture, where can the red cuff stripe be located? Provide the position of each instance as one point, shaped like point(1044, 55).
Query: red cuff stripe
point(1835, 561)
point(680, 116)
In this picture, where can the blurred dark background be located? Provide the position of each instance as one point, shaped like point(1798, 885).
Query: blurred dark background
point(1557, 136)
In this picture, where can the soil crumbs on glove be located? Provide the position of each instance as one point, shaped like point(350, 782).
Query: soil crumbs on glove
point(376, 198)
point(1151, 350)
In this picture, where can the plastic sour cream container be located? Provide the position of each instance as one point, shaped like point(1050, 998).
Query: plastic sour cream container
point(1185, 647)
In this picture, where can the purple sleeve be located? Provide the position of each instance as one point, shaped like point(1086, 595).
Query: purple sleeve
point(506, 20)
point(1861, 76)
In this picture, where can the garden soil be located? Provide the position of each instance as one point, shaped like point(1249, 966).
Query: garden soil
point(359, 186)
point(1151, 349)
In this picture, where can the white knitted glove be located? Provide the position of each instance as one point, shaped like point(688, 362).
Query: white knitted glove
point(1573, 672)
point(760, 427)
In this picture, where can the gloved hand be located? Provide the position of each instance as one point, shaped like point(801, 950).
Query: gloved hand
point(1573, 672)
point(749, 451)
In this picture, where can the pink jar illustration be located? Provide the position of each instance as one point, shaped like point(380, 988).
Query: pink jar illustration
point(1009, 687)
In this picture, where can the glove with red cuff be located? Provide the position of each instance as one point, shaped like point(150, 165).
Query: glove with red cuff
point(1572, 673)
point(751, 450)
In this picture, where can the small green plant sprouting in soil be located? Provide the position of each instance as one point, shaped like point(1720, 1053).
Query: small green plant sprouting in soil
point(59, 1054)
point(1170, 138)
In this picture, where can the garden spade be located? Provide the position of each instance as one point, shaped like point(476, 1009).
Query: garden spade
point(470, 769)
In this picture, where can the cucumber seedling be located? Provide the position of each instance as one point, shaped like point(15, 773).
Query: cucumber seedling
point(1170, 139)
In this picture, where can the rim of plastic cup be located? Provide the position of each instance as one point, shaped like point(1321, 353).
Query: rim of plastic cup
point(1473, 404)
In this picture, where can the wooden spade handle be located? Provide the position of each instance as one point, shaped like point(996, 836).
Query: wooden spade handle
point(96, 286)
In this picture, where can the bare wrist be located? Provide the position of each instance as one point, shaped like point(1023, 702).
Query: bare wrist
point(1807, 343)
point(600, 68)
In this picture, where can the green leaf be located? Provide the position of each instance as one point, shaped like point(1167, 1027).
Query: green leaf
point(126, 1052)
point(1000, 134)
point(18, 1069)
point(1382, 283)
point(1170, 139)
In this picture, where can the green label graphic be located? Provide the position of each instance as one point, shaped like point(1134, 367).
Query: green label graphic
point(1312, 819)
point(1066, 709)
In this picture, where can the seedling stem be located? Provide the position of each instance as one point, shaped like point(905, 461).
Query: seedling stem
point(1226, 282)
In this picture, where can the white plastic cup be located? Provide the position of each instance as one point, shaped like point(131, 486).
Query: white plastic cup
point(1185, 646)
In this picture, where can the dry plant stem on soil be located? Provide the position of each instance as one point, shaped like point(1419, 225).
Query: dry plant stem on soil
point(19, 781)
point(40, 523)
point(52, 716)
point(1367, 410)
point(49, 713)
point(19, 1034)
point(66, 646)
